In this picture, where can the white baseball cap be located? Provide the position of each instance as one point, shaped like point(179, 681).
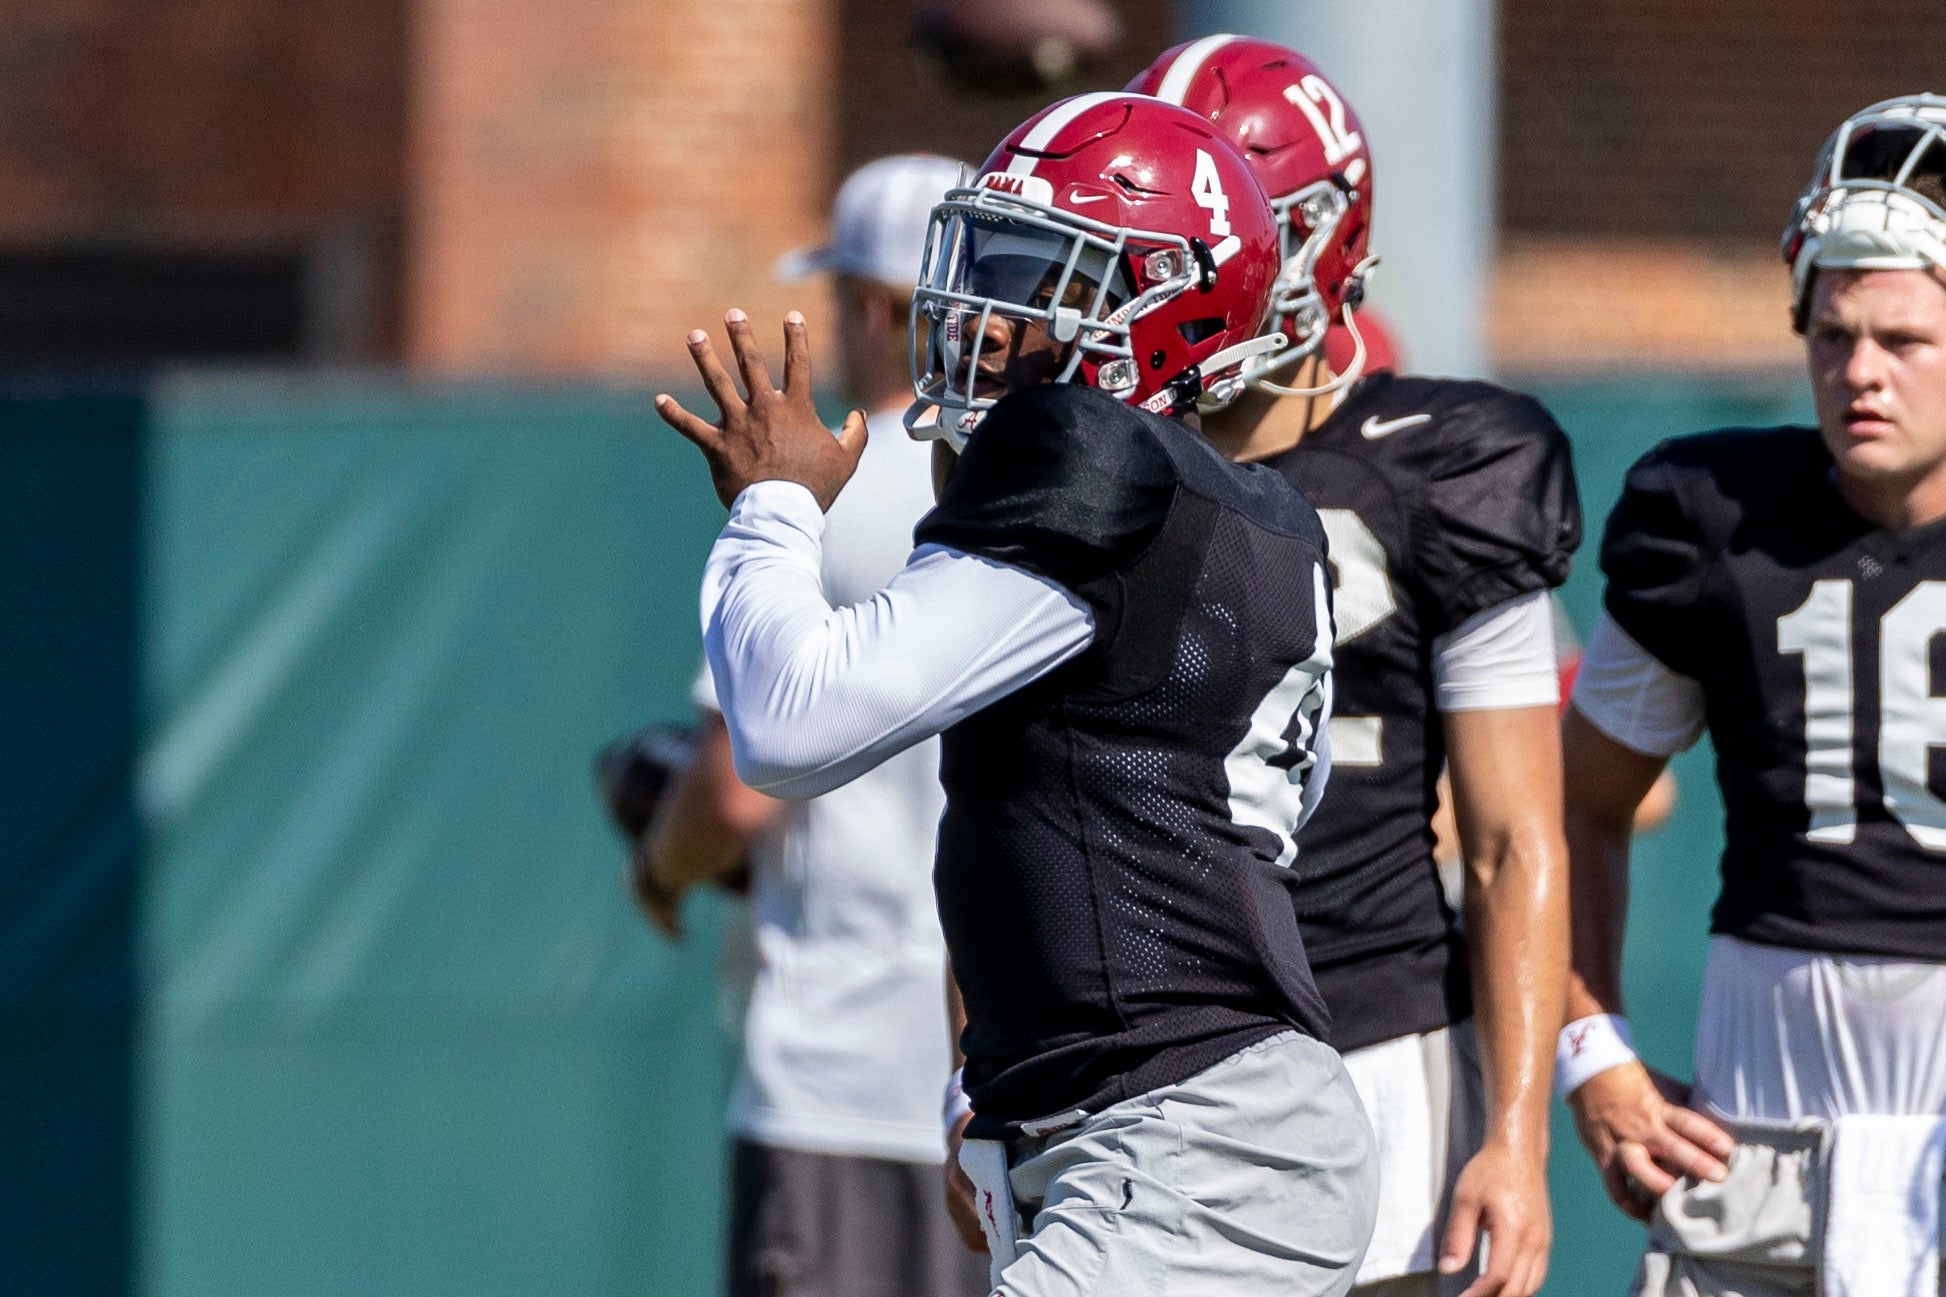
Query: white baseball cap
point(879, 222)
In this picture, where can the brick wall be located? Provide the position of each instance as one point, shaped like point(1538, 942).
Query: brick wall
point(1650, 153)
point(211, 125)
point(593, 177)
point(565, 187)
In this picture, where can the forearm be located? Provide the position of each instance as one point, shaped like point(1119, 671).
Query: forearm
point(814, 696)
point(707, 822)
point(1517, 921)
point(1505, 770)
point(1605, 782)
point(1598, 912)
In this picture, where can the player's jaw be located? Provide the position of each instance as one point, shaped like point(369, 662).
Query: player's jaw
point(1876, 344)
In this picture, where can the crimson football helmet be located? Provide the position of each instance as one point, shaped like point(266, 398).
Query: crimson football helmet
point(1309, 152)
point(1128, 231)
point(1864, 208)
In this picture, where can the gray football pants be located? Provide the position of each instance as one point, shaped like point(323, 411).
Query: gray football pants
point(1256, 1175)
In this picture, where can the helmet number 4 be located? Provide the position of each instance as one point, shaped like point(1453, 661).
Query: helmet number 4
point(1315, 97)
point(1207, 190)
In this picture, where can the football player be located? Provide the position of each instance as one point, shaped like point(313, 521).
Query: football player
point(1784, 590)
point(1452, 512)
point(1125, 640)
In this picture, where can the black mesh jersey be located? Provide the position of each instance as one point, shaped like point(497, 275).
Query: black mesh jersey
point(1442, 499)
point(1112, 861)
point(1820, 642)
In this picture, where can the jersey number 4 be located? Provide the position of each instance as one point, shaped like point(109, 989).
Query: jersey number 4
point(1911, 721)
point(1272, 771)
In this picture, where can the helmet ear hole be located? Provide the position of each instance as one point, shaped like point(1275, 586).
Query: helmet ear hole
point(1195, 331)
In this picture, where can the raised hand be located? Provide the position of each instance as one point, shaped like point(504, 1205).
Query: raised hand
point(768, 435)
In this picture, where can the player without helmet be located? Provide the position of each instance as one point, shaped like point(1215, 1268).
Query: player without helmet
point(1111, 240)
point(1314, 163)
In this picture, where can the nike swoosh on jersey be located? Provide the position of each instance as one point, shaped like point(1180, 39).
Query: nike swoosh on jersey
point(1373, 428)
point(1078, 199)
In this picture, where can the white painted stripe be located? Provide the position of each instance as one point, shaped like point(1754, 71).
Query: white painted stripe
point(1051, 125)
point(1175, 83)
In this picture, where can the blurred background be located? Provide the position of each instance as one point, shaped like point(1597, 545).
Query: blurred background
point(337, 534)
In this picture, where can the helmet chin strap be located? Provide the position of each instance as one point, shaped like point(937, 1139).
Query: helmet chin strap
point(1222, 391)
point(1338, 383)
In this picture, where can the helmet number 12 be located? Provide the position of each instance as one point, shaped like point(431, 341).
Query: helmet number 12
point(1315, 97)
point(1207, 190)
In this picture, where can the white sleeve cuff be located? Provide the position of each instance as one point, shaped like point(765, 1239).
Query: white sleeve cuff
point(1500, 658)
point(1627, 694)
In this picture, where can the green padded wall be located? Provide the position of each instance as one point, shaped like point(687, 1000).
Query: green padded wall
point(315, 972)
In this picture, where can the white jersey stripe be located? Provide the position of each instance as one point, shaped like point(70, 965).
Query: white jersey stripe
point(1175, 83)
point(1051, 125)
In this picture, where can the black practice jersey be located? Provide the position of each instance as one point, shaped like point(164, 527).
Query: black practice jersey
point(1442, 499)
point(1112, 868)
point(1819, 640)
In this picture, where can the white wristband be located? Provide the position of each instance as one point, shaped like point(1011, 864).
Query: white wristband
point(955, 1106)
point(1589, 1046)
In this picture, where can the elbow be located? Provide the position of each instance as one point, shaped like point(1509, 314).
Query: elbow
point(768, 767)
point(742, 810)
point(1531, 857)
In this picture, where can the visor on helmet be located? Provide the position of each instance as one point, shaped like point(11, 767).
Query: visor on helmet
point(993, 258)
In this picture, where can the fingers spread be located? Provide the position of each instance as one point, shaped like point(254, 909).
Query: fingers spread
point(716, 379)
point(853, 435)
point(750, 358)
point(700, 431)
point(797, 357)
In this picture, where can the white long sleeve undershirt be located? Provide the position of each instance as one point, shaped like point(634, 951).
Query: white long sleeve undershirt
point(814, 696)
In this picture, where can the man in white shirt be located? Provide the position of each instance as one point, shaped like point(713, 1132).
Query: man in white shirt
point(836, 1107)
point(1785, 590)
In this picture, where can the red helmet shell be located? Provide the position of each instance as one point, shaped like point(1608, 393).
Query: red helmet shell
point(1159, 176)
point(1295, 130)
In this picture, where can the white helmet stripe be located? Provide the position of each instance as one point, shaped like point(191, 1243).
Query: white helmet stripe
point(1175, 83)
point(1051, 125)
